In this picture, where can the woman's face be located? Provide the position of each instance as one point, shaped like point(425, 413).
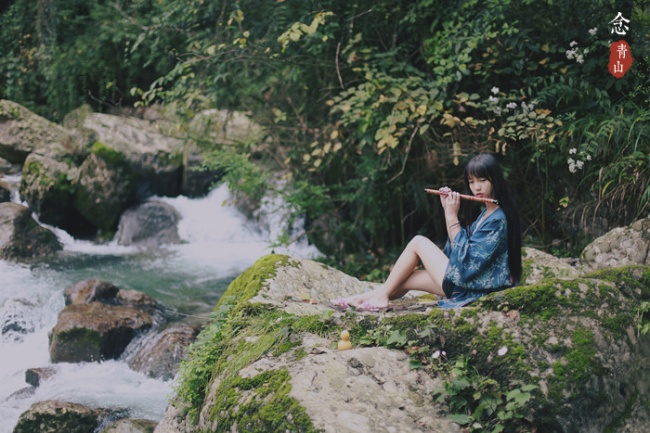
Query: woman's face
point(480, 186)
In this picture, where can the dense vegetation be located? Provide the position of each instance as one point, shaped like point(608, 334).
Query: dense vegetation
point(366, 103)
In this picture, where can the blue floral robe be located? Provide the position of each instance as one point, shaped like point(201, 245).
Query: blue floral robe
point(478, 261)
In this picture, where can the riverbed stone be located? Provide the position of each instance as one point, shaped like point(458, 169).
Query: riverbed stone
point(21, 237)
point(106, 186)
point(54, 416)
point(538, 265)
point(95, 331)
point(86, 291)
point(149, 225)
point(35, 376)
point(131, 426)
point(160, 355)
point(5, 192)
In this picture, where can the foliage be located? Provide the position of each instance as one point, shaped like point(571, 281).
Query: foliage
point(70, 52)
point(481, 403)
point(365, 104)
point(643, 318)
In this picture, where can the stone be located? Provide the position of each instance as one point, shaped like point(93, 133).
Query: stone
point(95, 332)
point(150, 225)
point(53, 416)
point(538, 265)
point(87, 291)
point(21, 237)
point(105, 188)
point(34, 376)
point(619, 247)
point(160, 354)
point(23, 132)
point(131, 426)
point(5, 192)
point(273, 364)
point(152, 155)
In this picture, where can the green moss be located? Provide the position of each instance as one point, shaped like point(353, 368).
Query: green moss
point(260, 404)
point(111, 156)
point(577, 366)
point(632, 280)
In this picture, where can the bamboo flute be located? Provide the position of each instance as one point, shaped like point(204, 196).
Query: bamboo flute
point(464, 196)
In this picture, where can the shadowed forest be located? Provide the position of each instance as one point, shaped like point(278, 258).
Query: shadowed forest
point(366, 103)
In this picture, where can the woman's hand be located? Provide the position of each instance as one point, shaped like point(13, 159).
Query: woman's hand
point(450, 203)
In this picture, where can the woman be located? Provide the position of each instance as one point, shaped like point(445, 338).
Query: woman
point(480, 259)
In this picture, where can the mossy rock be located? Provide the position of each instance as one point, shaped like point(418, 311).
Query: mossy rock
point(54, 416)
point(574, 339)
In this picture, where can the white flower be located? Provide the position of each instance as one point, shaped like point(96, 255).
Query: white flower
point(511, 105)
point(588, 157)
point(580, 58)
point(502, 351)
point(573, 44)
point(493, 99)
point(436, 354)
point(570, 161)
point(572, 167)
point(579, 164)
point(495, 90)
point(585, 51)
point(570, 54)
point(573, 151)
point(593, 31)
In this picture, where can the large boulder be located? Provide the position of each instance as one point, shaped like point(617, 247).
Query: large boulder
point(100, 321)
point(53, 416)
point(48, 186)
point(105, 188)
point(21, 237)
point(95, 332)
point(268, 360)
point(620, 246)
point(150, 224)
point(23, 132)
point(155, 158)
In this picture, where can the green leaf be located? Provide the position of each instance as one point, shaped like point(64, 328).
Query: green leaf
point(460, 418)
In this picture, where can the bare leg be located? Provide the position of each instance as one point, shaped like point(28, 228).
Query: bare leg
point(405, 277)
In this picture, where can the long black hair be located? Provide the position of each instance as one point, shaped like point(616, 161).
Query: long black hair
point(486, 166)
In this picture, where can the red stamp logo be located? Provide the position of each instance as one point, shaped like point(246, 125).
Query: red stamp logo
point(620, 58)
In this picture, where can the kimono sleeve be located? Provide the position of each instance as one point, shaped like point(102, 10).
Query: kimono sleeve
point(475, 261)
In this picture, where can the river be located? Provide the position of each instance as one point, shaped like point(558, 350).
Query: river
point(218, 244)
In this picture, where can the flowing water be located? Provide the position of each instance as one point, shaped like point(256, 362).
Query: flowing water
point(218, 244)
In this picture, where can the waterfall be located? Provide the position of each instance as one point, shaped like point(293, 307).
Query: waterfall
point(218, 243)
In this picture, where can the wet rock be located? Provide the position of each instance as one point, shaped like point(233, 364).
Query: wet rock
point(105, 188)
point(131, 426)
point(35, 376)
point(48, 187)
point(21, 237)
point(160, 355)
point(53, 416)
point(151, 224)
point(5, 192)
point(87, 291)
point(95, 331)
